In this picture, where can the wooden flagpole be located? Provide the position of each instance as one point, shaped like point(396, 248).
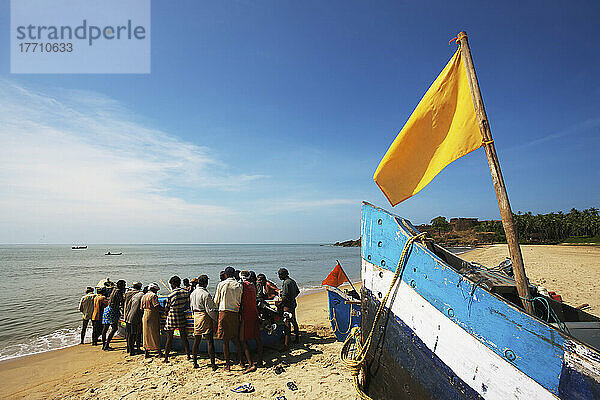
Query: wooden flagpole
point(346, 275)
point(490, 151)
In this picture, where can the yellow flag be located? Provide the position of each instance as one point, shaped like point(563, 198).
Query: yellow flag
point(442, 128)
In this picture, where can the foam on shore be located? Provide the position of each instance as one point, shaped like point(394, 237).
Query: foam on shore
point(56, 340)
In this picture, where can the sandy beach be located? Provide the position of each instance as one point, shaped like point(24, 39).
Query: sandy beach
point(88, 373)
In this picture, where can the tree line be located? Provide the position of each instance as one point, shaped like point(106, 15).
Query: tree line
point(554, 227)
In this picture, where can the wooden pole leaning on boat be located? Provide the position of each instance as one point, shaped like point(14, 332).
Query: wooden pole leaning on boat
point(346, 275)
point(166, 286)
point(490, 151)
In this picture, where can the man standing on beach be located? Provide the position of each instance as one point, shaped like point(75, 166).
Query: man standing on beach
point(133, 318)
point(86, 307)
point(205, 319)
point(228, 298)
point(176, 319)
point(112, 312)
point(249, 316)
point(100, 302)
point(289, 292)
point(151, 320)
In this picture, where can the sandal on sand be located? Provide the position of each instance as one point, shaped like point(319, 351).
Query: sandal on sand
point(279, 369)
point(245, 388)
point(281, 398)
point(292, 386)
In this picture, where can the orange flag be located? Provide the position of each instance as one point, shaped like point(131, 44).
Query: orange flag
point(336, 277)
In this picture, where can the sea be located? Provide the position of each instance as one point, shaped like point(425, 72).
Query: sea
point(41, 285)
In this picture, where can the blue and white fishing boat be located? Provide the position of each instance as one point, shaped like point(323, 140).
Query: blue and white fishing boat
point(454, 330)
point(435, 326)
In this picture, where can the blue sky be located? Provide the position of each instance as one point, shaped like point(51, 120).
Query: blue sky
point(263, 122)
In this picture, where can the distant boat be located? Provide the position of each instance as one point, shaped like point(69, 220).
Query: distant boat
point(78, 247)
point(113, 254)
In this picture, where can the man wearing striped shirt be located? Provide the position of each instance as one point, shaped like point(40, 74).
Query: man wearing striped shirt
point(176, 319)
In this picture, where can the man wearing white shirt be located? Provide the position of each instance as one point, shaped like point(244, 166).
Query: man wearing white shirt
point(205, 319)
point(228, 298)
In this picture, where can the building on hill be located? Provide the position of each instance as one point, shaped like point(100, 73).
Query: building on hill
point(463, 224)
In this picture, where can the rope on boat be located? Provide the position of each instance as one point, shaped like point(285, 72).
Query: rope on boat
point(550, 313)
point(337, 326)
point(354, 352)
point(498, 272)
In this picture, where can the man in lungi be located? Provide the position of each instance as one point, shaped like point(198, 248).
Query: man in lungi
point(205, 319)
point(228, 298)
point(249, 328)
point(177, 303)
point(151, 320)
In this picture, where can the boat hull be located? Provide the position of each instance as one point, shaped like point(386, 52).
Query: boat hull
point(343, 315)
point(444, 337)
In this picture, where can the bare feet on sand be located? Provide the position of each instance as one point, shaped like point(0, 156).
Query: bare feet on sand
point(251, 368)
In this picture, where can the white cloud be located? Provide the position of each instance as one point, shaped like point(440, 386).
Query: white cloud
point(585, 126)
point(307, 205)
point(81, 157)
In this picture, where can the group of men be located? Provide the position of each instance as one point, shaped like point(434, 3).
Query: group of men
point(103, 310)
point(234, 313)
